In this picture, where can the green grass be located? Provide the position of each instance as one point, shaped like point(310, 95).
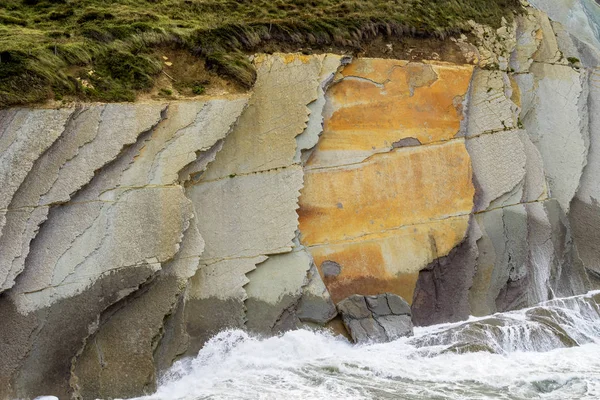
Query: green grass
point(49, 47)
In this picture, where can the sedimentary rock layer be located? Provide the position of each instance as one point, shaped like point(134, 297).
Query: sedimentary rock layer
point(246, 205)
point(373, 319)
point(377, 205)
point(530, 137)
point(115, 215)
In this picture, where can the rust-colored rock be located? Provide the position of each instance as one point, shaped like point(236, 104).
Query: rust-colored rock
point(407, 186)
point(376, 103)
point(388, 261)
point(380, 211)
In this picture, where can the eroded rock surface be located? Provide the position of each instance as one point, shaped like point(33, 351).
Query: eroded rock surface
point(530, 134)
point(253, 271)
point(114, 219)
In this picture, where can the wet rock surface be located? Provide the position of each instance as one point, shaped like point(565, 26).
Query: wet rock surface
point(379, 318)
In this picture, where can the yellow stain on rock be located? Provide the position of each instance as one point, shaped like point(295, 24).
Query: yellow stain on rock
point(516, 91)
point(383, 214)
point(404, 187)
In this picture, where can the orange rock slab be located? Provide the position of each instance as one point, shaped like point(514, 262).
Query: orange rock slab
point(383, 212)
point(407, 186)
point(376, 103)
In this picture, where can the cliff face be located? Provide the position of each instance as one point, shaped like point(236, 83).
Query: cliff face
point(130, 234)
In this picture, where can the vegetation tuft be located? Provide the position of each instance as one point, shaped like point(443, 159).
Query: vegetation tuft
point(106, 49)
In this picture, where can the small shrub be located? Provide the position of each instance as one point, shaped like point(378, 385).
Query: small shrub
point(234, 65)
point(198, 89)
point(12, 63)
point(97, 35)
point(133, 71)
point(58, 35)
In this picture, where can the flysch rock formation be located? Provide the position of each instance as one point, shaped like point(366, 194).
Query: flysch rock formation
point(453, 186)
point(132, 233)
point(529, 131)
point(117, 220)
point(246, 205)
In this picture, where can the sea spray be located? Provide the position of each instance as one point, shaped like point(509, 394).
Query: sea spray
point(551, 351)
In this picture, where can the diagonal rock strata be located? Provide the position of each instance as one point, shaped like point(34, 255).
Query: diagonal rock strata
point(121, 222)
point(260, 163)
point(526, 243)
point(65, 167)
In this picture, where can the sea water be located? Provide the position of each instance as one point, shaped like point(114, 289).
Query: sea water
point(551, 351)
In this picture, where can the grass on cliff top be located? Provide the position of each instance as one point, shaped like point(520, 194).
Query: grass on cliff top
point(106, 49)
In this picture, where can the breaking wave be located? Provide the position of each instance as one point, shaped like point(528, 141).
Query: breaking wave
point(551, 351)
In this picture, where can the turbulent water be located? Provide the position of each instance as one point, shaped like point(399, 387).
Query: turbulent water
point(551, 351)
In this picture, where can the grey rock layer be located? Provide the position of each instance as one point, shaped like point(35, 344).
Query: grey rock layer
point(117, 243)
point(253, 273)
point(532, 133)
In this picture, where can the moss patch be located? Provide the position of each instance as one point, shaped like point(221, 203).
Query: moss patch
point(49, 47)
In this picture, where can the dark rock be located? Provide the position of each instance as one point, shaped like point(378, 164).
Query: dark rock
point(398, 305)
point(37, 349)
point(315, 305)
point(442, 290)
point(396, 326)
point(380, 318)
point(206, 317)
point(585, 219)
point(406, 142)
point(99, 367)
point(288, 320)
point(175, 340)
point(354, 307)
point(378, 305)
point(513, 294)
point(266, 318)
point(358, 334)
point(371, 331)
point(331, 268)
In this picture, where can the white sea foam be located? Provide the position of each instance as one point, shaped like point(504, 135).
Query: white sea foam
point(305, 364)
